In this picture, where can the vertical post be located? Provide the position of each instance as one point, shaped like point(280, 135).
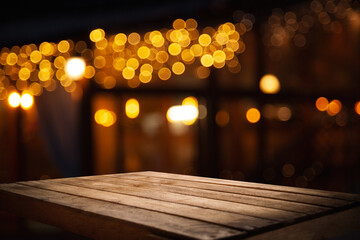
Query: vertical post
point(260, 127)
point(120, 136)
point(20, 146)
point(208, 164)
point(85, 131)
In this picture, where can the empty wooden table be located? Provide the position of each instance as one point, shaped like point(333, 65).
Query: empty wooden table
point(153, 205)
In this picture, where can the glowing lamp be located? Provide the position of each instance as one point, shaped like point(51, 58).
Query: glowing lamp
point(26, 101)
point(182, 113)
point(75, 68)
point(14, 99)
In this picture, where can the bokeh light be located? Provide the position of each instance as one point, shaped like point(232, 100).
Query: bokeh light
point(204, 40)
point(164, 73)
point(14, 99)
point(178, 68)
point(207, 60)
point(357, 107)
point(132, 108)
point(182, 113)
point(75, 68)
point(97, 35)
point(334, 107)
point(105, 117)
point(322, 104)
point(269, 84)
point(253, 115)
point(26, 101)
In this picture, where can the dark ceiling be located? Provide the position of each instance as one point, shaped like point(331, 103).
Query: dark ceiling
point(24, 22)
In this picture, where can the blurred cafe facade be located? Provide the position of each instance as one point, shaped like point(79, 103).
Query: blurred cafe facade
point(224, 89)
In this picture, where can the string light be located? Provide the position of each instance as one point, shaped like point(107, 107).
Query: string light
point(133, 57)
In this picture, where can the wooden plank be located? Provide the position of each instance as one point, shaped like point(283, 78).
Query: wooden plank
point(102, 219)
point(227, 219)
point(307, 191)
point(288, 196)
point(345, 223)
point(117, 186)
point(224, 196)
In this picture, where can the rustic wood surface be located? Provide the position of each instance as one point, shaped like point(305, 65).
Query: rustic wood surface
point(155, 205)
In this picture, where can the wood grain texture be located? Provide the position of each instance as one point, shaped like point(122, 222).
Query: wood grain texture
point(152, 205)
point(307, 191)
point(139, 181)
point(195, 182)
point(108, 220)
point(118, 186)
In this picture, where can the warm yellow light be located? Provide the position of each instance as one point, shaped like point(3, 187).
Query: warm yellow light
point(119, 63)
point(191, 24)
point(14, 99)
point(44, 74)
point(357, 107)
point(35, 56)
point(156, 39)
point(24, 74)
point(46, 48)
point(162, 56)
point(145, 78)
point(222, 38)
point(134, 38)
point(204, 40)
point(89, 72)
point(164, 73)
point(143, 52)
point(35, 89)
point(97, 35)
point(133, 63)
point(187, 56)
point(179, 24)
point(253, 115)
point(219, 56)
point(192, 101)
point(11, 58)
point(120, 39)
point(75, 68)
point(128, 73)
point(26, 101)
point(63, 46)
point(132, 108)
point(334, 107)
point(196, 50)
point(232, 45)
point(174, 49)
point(99, 62)
point(105, 117)
point(182, 113)
point(146, 69)
point(59, 62)
point(322, 104)
point(178, 68)
point(269, 84)
point(207, 60)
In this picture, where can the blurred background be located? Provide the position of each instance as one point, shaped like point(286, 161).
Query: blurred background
point(272, 96)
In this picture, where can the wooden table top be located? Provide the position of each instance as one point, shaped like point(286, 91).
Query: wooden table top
point(154, 205)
